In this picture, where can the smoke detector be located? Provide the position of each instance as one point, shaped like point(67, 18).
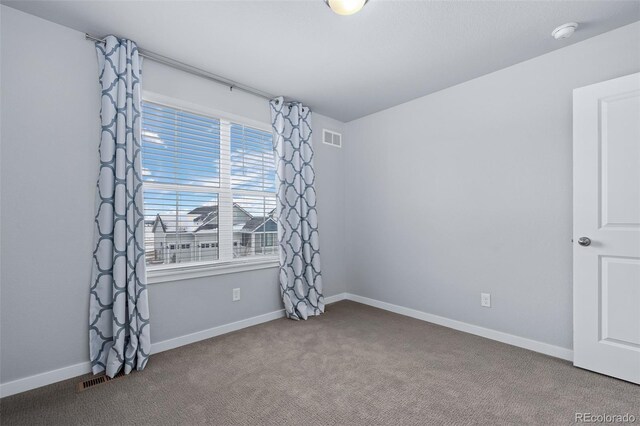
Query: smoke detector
point(564, 30)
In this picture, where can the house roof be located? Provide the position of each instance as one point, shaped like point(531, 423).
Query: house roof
point(207, 226)
point(170, 224)
point(203, 211)
point(158, 221)
point(204, 218)
point(260, 224)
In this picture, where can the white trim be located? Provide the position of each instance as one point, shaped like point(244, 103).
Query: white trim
point(43, 379)
point(510, 339)
point(199, 109)
point(225, 197)
point(226, 263)
point(187, 339)
point(176, 342)
point(49, 377)
point(335, 298)
point(65, 373)
point(163, 275)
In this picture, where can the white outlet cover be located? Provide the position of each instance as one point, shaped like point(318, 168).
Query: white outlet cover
point(236, 294)
point(485, 300)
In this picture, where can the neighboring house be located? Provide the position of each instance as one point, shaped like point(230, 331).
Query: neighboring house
point(149, 238)
point(194, 237)
point(260, 235)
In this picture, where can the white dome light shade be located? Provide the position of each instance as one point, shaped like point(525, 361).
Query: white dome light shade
point(346, 7)
point(565, 30)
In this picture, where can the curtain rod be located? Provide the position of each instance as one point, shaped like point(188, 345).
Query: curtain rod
point(156, 57)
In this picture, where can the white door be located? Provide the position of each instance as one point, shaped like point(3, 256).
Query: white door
point(606, 226)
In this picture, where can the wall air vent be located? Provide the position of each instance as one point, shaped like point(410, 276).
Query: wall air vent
point(332, 138)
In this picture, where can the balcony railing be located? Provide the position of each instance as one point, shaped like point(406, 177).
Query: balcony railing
point(166, 255)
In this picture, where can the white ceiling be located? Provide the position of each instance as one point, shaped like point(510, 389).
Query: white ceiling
point(343, 67)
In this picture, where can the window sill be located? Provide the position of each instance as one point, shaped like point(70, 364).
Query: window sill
point(177, 273)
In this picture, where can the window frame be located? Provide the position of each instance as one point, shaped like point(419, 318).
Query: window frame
point(176, 272)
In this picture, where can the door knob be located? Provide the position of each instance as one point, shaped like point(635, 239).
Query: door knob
point(584, 241)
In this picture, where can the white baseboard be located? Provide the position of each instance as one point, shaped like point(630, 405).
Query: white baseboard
point(165, 345)
point(43, 379)
point(510, 339)
point(335, 298)
point(49, 377)
point(176, 342)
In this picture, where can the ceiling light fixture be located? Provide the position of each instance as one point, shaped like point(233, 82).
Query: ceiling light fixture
point(346, 7)
point(564, 30)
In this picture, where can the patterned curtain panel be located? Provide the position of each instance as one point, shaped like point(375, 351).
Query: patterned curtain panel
point(300, 278)
point(119, 311)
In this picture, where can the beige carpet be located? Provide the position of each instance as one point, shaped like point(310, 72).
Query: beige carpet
point(355, 365)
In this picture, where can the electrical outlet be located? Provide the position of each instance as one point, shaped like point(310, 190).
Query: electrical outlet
point(236, 294)
point(485, 300)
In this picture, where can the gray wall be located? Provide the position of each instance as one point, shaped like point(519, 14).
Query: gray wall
point(50, 117)
point(428, 203)
point(468, 190)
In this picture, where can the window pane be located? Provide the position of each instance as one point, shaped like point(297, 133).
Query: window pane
point(252, 159)
point(180, 227)
point(179, 147)
point(258, 227)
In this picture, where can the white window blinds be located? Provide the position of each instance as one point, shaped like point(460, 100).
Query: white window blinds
point(209, 189)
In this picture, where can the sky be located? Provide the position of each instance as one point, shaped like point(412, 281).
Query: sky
point(182, 149)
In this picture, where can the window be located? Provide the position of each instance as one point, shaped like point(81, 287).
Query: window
point(269, 242)
point(209, 189)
